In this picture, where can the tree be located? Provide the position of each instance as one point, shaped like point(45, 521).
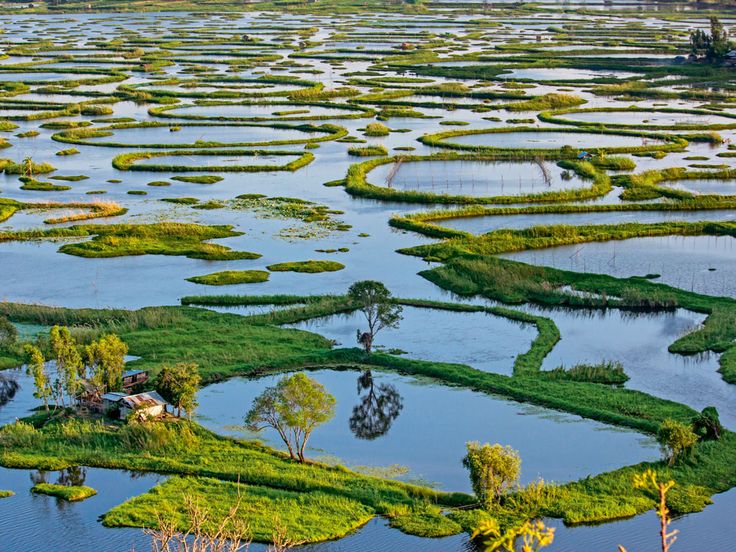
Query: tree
point(707, 424)
point(375, 302)
point(8, 333)
point(105, 361)
point(713, 46)
point(294, 407)
point(69, 363)
point(493, 470)
point(676, 439)
point(178, 384)
point(36, 367)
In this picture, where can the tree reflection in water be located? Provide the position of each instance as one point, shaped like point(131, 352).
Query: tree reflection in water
point(377, 410)
point(74, 476)
point(8, 389)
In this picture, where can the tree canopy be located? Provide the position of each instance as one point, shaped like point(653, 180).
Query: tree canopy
point(294, 407)
point(178, 384)
point(376, 303)
point(493, 470)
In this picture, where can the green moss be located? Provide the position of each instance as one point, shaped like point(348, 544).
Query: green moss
point(369, 151)
point(199, 179)
point(181, 200)
point(231, 277)
point(39, 186)
point(68, 493)
point(311, 267)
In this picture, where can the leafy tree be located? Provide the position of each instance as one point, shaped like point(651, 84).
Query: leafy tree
point(69, 363)
point(294, 407)
point(493, 470)
point(178, 384)
point(8, 333)
point(707, 424)
point(676, 439)
point(714, 45)
point(36, 367)
point(375, 302)
point(106, 360)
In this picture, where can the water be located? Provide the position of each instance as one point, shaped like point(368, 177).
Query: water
point(145, 137)
point(37, 522)
point(476, 178)
point(35, 272)
point(549, 140)
point(653, 118)
point(703, 264)
point(431, 441)
point(489, 343)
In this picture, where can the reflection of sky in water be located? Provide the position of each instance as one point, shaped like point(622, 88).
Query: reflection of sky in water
point(476, 178)
point(704, 264)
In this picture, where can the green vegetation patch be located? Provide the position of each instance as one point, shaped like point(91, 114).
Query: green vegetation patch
point(6, 494)
point(309, 517)
point(127, 161)
point(231, 277)
point(119, 240)
point(199, 179)
point(311, 267)
point(65, 492)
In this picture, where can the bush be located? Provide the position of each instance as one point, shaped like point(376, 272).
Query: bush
point(377, 129)
point(8, 333)
point(707, 425)
point(19, 434)
point(676, 439)
point(493, 470)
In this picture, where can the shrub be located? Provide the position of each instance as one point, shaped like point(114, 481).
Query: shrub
point(707, 424)
point(493, 470)
point(377, 129)
point(676, 439)
point(19, 434)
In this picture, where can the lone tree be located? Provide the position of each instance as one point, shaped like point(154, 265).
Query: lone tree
point(376, 304)
point(493, 470)
point(294, 407)
point(714, 46)
point(676, 439)
point(178, 384)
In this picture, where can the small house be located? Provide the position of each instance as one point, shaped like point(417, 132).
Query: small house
point(585, 155)
point(133, 378)
point(112, 400)
point(145, 405)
